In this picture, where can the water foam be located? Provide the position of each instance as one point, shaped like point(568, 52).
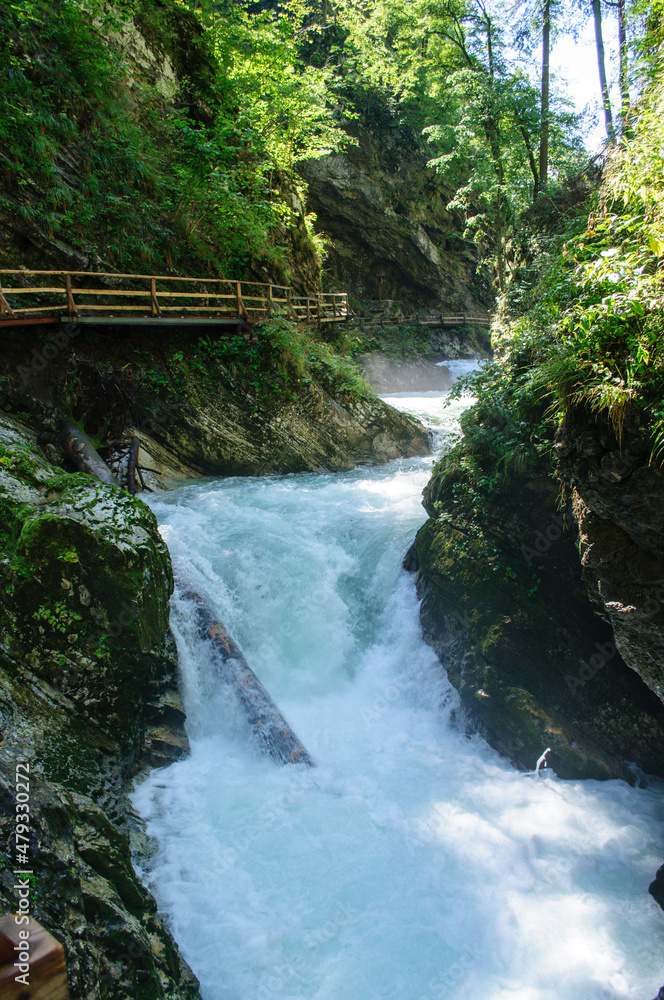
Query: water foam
point(413, 863)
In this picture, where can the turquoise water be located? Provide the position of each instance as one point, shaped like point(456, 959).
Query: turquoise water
point(413, 862)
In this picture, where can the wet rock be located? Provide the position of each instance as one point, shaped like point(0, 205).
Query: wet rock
point(316, 431)
point(507, 612)
point(88, 698)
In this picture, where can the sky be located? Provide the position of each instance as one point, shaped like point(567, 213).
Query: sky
point(575, 63)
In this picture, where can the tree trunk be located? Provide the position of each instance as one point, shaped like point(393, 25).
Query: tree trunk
point(531, 159)
point(82, 452)
point(544, 133)
point(492, 130)
point(268, 726)
point(624, 84)
point(599, 42)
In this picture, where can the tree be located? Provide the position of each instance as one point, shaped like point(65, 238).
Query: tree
point(544, 128)
point(601, 64)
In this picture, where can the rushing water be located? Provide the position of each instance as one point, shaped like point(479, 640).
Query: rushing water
point(413, 863)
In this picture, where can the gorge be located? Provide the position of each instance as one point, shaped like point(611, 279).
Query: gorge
point(437, 544)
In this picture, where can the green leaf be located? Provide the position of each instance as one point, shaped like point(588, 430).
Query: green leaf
point(656, 244)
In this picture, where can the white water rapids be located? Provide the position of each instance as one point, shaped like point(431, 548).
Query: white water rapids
point(413, 863)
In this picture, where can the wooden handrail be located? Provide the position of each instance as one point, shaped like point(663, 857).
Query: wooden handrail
point(248, 301)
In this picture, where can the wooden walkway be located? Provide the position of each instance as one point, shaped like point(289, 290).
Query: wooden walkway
point(427, 319)
point(28, 297)
point(103, 298)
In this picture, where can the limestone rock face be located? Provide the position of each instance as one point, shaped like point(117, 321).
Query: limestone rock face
point(385, 211)
point(316, 432)
point(505, 607)
point(88, 695)
point(619, 508)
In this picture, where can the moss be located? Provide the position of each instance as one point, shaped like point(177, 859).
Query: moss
point(510, 627)
point(20, 463)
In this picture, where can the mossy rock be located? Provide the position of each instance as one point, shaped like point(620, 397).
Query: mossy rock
point(511, 622)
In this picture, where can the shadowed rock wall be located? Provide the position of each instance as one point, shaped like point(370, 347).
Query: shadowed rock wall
point(385, 210)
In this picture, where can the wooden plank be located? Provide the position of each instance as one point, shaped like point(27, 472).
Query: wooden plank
point(116, 276)
point(186, 295)
point(197, 309)
point(32, 291)
point(47, 972)
point(110, 310)
point(132, 293)
point(39, 309)
point(28, 321)
point(112, 293)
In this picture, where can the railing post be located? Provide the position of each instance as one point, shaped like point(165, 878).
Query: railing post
point(155, 309)
point(291, 307)
point(318, 313)
point(270, 303)
point(5, 308)
point(241, 311)
point(71, 305)
point(308, 311)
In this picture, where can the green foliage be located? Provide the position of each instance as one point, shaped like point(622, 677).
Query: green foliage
point(285, 101)
point(172, 174)
point(271, 369)
point(590, 327)
point(57, 616)
point(396, 342)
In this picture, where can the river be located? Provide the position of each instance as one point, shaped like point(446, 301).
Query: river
point(413, 862)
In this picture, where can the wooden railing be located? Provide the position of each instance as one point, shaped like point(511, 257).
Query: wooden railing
point(43, 296)
point(427, 319)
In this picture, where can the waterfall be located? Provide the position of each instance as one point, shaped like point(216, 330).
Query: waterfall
point(413, 862)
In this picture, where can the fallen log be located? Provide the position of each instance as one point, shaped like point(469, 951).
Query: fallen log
point(82, 452)
point(267, 723)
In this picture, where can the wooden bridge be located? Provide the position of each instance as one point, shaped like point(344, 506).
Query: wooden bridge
point(430, 319)
point(29, 297)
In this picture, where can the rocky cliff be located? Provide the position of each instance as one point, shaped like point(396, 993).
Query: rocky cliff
point(392, 235)
point(544, 651)
point(618, 503)
point(88, 697)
